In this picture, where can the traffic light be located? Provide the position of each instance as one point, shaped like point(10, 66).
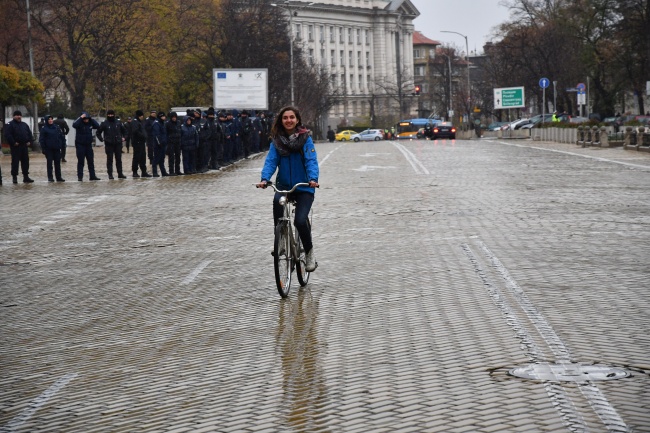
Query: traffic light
point(418, 89)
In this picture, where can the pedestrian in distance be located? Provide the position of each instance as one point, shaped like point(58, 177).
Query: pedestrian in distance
point(65, 129)
point(173, 127)
point(83, 144)
point(52, 141)
point(112, 132)
point(189, 145)
point(159, 133)
point(293, 155)
point(330, 134)
point(20, 137)
point(139, 141)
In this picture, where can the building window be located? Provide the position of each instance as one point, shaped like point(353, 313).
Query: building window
point(322, 33)
point(417, 53)
point(432, 53)
point(341, 58)
point(361, 83)
point(331, 33)
point(341, 40)
point(419, 71)
point(333, 57)
point(350, 58)
point(311, 56)
point(367, 58)
point(359, 36)
point(350, 36)
point(310, 33)
point(367, 37)
point(298, 32)
point(322, 56)
point(352, 82)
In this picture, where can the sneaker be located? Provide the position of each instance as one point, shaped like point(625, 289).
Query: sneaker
point(311, 264)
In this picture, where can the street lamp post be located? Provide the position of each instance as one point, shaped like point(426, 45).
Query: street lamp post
point(469, 91)
point(292, 10)
point(35, 145)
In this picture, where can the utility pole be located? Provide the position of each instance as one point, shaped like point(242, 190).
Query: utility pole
point(35, 145)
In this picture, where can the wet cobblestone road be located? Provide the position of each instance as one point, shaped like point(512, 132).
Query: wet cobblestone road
point(149, 305)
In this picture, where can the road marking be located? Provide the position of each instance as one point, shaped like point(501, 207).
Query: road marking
point(628, 164)
point(369, 168)
point(195, 273)
point(39, 401)
point(570, 415)
point(417, 165)
point(328, 155)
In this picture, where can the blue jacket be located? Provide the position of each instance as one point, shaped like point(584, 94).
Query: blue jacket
point(51, 137)
point(159, 133)
point(189, 136)
point(18, 132)
point(292, 169)
point(85, 130)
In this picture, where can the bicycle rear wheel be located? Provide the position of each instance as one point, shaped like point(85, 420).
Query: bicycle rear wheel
point(301, 263)
point(282, 259)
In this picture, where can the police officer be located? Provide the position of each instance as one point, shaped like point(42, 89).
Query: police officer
point(211, 131)
point(159, 133)
point(139, 140)
point(127, 137)
point(65, 129)
point(113, 133)
point(173, 127)
point(246, 133)
point(189, 144)
point(52, 141)
point(148, 124)
point(229, 134)
point(83, 143)
point(19, 136)
point(197, 121)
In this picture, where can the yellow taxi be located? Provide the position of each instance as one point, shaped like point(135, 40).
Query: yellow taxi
point(344, 135)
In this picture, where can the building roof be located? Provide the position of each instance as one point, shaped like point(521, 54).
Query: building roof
point(420, 39)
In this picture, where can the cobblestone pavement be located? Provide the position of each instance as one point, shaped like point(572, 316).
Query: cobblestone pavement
point(149, 305)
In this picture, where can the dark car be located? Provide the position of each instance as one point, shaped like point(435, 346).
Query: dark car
point(444, 130)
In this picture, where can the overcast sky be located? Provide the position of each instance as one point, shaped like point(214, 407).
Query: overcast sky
point(473, 18)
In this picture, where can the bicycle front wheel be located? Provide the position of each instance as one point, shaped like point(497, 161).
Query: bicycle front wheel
point(282, 259)
point(303, 275)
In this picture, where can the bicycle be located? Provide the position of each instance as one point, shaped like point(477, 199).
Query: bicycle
point(288, 252)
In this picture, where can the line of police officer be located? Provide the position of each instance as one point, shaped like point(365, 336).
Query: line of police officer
point(201, 141)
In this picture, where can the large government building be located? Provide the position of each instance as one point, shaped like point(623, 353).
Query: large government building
point(367, 48)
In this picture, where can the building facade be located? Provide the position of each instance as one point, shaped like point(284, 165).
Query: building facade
point(366, 46)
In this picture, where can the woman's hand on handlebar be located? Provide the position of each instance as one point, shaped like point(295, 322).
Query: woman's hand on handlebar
point(313, 184)
point(262, 184)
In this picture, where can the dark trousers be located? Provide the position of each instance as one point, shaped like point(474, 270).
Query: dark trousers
point(199, 156)
point(128, 144)
point(113, 149)
point(304, 201)
point(139, 158)
point(19, 155)
point(53, 156)
point(216, 154)
point(246, 145)
point(159, 159)
point(85, 153)
point(229, 150)
point(149, 152)
point(174, 157)
point(64, 149)
point(189, 156)
point(207, 155)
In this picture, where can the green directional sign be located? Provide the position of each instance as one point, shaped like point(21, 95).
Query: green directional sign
point(509, 97)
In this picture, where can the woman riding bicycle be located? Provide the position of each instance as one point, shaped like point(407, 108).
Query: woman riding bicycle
point(294, 155)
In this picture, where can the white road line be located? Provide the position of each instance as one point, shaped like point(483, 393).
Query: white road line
point(328, 155)
point(39, 401)
point(195, 273)
point(603, 409)
point(418, 167)
point(628, 164)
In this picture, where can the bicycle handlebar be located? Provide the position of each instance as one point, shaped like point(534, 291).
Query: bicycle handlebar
point(289, 191)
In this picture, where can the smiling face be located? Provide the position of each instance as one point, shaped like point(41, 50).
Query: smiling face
point(289, 121)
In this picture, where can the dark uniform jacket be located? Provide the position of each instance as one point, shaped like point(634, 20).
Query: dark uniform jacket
point(84, 130)
point(112, 132)
point(138, 134)
point(18, 132)
point(51, 137)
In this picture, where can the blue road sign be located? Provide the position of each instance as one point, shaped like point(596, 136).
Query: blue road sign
point(544, 82)
point(581, 87)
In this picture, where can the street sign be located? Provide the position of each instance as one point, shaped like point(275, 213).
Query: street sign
point(647, 88)
point(509, 97)
point(581, 87)
point(582, 99)
point(544, 82)
point(241, 88)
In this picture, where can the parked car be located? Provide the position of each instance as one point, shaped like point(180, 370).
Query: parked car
point(368, 135)
point(536, 120)
point(515, 124)
point(444, 130)
point(344, 135)
point(495, 126)
point(578, 119)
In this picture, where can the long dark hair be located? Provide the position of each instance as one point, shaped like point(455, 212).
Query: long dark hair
point(277, 127)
